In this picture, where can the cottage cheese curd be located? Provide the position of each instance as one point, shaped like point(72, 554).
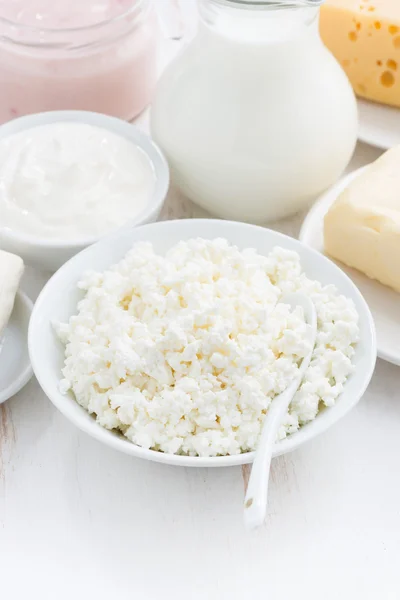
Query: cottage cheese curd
point(71, 181)
point(184, 353)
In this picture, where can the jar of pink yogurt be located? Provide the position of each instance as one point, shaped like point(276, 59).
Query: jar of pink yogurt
point(97, 55)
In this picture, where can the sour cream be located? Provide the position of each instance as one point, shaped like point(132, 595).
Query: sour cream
point(71, 181)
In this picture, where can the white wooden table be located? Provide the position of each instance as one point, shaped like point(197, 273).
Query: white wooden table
point(79, 520)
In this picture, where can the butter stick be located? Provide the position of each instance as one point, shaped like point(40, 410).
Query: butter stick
point(362, 228)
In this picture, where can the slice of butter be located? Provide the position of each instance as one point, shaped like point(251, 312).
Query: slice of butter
point(362, 228)
point(11, 270)
point(364, 35)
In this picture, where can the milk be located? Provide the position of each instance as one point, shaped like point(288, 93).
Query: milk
point(256, 117)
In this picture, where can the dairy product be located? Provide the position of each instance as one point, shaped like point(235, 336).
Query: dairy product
point(11, 270)
point(255, 116)
point(184, 353)
point(364, 35)
point(71, 181)
point(362, 228)
point(63, 14)
point(95, 55)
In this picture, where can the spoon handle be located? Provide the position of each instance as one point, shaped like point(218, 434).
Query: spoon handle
point(255, 503)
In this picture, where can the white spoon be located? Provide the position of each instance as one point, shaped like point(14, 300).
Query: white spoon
point(255, 503)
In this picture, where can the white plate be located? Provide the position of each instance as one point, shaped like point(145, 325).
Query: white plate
point(58, 301)
point(383, 302)
point(15, 366)
point(379, 124)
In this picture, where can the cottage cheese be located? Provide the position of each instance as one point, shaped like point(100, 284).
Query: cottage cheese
point(184, 353)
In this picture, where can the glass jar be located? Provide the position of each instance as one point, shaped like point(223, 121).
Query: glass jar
point(65, 54)
point(255, 116)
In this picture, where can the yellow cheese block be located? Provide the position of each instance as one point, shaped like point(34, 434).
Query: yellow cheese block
point(362, 228)
point(364, 35)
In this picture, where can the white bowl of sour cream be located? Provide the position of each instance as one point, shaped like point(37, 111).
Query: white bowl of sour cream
point(69, 178)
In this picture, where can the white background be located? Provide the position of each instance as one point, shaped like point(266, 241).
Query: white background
point(78, 520)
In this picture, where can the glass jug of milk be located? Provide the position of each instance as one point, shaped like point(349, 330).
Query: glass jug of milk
point(255, 116)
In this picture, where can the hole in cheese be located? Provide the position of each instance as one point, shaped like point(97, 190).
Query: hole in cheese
point(352, 36)
point(392, 64)
point(393, 29)
point(387, 79)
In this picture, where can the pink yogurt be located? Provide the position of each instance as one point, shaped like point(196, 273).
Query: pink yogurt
point(97, 55)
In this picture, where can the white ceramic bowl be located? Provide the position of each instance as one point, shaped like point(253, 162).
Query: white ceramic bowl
point(51, 254)
point(59, 298)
